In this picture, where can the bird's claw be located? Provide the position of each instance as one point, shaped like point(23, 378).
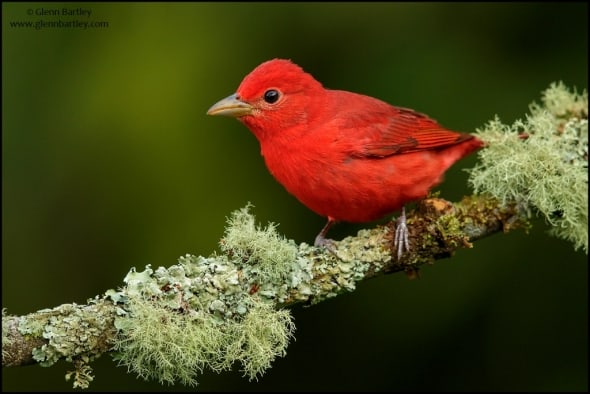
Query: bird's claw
point(327, 243)
point(322, 242)
point(401, 242)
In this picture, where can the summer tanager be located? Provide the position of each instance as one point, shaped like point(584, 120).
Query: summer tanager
point(346, 156)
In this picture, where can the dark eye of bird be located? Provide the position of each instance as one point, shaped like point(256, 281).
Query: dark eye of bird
point(271, 96)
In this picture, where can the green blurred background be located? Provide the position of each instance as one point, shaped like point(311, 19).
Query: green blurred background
point(109, 162)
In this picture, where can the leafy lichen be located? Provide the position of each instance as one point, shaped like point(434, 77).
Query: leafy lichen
point(542, 162)
point(82, 375)
point(77, 334)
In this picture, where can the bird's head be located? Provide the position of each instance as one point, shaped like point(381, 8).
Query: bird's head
point(274, 97)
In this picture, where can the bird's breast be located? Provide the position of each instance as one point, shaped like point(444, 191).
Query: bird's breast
point(335, 184)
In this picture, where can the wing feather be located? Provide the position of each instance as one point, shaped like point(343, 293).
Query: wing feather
point(382, 130)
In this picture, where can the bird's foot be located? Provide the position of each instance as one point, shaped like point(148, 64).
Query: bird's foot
point(400, 242)
point(323, 242)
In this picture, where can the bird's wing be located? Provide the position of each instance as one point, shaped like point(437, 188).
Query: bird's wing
point(383, 130)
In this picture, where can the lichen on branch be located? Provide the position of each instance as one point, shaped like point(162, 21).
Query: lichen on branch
point(541, 162)
point(170, 324)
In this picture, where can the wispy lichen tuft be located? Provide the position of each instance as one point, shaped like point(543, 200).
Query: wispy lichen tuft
point(172, 346)
point(542, 162)
point(166, 346)
point(259, 338)
point(268, 254)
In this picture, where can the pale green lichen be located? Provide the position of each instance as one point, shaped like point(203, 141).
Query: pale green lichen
point(542, 162)
point(68, 333)
point(175, 346)
point(360, 251)
point(209, 312)
point(82, 375)
point(32, 327)
point(256, 340)
point(74, 333)
point(263, 248)
point(213, 312)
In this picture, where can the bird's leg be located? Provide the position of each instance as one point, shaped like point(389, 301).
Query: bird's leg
point(321, 240)
point(400, 241)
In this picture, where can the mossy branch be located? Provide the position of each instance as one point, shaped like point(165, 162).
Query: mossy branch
point(211, 312)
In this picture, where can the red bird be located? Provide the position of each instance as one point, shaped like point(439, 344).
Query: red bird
point(346, 156)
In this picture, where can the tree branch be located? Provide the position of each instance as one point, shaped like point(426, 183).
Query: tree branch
point(81, 333)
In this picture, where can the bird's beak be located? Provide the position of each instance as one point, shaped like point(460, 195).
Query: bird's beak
point(230, 106)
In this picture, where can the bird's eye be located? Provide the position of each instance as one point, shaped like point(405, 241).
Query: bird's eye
point(271, 96)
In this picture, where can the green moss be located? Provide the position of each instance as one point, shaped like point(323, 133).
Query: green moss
point(450, 229)
point(547, 170)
